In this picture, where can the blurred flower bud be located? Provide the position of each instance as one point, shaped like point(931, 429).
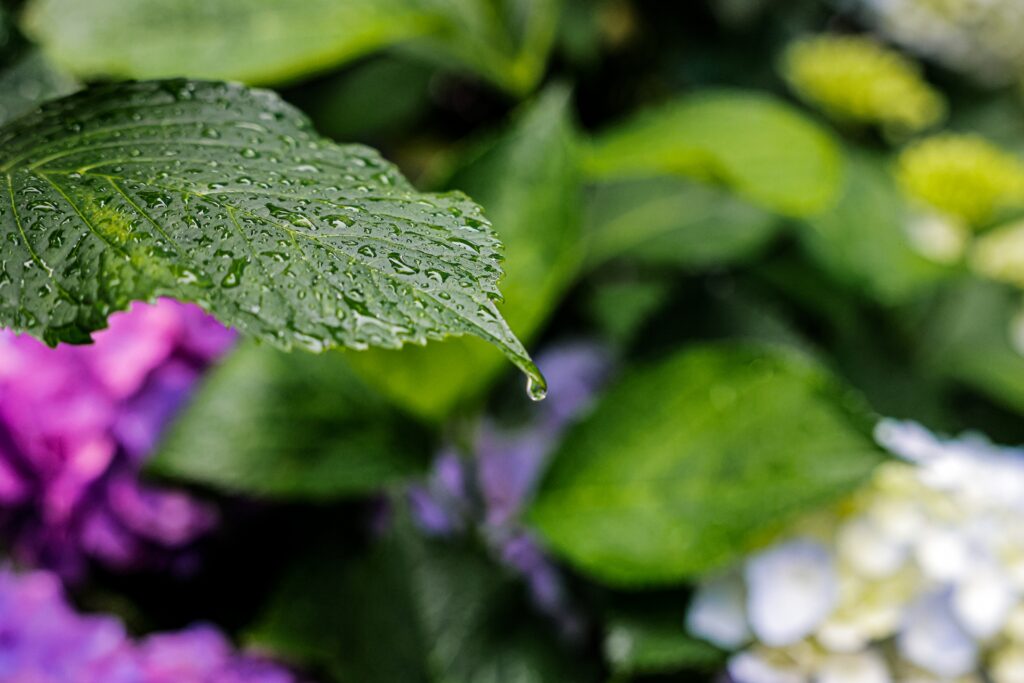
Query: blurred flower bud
point(964, 176)
point(854, 79)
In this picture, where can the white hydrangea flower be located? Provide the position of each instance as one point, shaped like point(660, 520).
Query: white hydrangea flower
point(717, 612)
point(918, 577)
point(862, 667)
point(791, 588)
point(933, 639)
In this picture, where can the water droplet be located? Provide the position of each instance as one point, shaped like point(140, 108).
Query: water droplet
point(536, 388)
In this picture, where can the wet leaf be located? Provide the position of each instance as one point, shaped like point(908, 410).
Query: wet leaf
point(683, 464)
point(528, 181)
point(226, 197)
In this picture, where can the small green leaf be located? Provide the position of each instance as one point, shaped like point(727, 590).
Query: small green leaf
point(650, 638)
point(271, 424)
point(753, 144)
point(673, 222)
point(29, 82)
point(863, 241)
point(529, 183)
point(224, 196)
point(684, 463)
point(255, 41)
point(506, 41)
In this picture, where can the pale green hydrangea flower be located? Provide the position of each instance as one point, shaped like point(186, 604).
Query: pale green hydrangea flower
point(999, 254)
point(855, 79)
point(961, 175)
point(917, 577)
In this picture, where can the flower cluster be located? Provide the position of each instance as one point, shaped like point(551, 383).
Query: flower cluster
point(489, 491)
point(999, 254)
point(962, 176)
point(920, 576)
point(46, 641)
point(855, 79)
point(978, 37)
point(76, 423)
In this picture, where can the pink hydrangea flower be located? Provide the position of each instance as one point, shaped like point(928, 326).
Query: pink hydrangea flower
point(77, 422)
point(44, 640)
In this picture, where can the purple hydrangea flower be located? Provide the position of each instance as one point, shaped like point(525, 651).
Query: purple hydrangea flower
point(44, 640)
point(76, 422)
point(491, 490)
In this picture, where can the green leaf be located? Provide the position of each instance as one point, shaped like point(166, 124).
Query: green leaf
point(863, 241)
point(27, 83)
point(528, 182)
point(506, 41)
point(409, 610)
point(272, 424)
point(753, 144)
point(651, 639)
point(226, 197)
point(667, 221)
point(255, 41)
point(683, 464)
point(265, 42)
point(969, 339)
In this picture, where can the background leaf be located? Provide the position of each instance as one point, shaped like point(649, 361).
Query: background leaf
point(528, 182)
point(271, 424)
point(862, 240)
point(219, 195)
point(646, 636)
point(255, 41)
point(410, 609)
point(755, 145)
point(263, 42)
point(28, 82)
point(684, 463)
point(968, 328)
point(506, 41)
point(668, 221)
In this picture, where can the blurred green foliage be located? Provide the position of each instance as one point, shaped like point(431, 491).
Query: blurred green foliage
point(774, 253)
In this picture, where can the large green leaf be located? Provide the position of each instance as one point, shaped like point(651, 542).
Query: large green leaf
point(684, 463)
point(409, 610)
point(672, 221)
point(255, 41)
point(270, 41)
point(290, 425)
point(863, 241)
point(529, 184)
point(756, 145)
point(226, 197)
